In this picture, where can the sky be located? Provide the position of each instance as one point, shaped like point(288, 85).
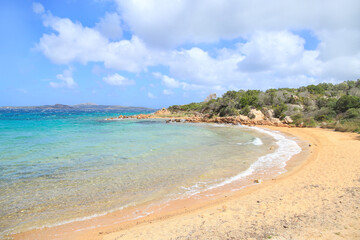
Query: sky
point(157, 53)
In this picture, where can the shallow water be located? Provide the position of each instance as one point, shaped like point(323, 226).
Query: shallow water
point(57, 166)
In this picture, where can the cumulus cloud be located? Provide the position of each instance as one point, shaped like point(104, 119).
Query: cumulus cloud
point(110, 26)
point(265, 49)
point(170, 82)
point(72, 42)
point(66, 80)
point(170, 23)
point(38, 8)
point(117, 80)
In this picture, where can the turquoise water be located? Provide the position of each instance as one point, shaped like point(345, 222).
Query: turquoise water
point(56, 166)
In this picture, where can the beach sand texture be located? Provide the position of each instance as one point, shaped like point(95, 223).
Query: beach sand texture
point(319, 199)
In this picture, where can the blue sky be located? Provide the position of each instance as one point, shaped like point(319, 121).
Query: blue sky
point(159, 53)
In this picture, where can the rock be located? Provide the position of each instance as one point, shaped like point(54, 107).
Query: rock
point(288, 120)
point(257, 181)
point(257, 115)
point(162, 111)
point(243, 118)
point(167, 121)
point(268, 113)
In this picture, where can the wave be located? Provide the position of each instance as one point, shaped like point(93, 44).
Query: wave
point(255, 141)
point(286, 149)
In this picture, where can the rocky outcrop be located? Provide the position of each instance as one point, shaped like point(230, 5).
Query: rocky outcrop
point(258, 119)
point(256, 115)
point(288, 120)
point(162, 111)
point(236, 120)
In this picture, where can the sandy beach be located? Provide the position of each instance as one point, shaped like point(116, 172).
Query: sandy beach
point(318, 199)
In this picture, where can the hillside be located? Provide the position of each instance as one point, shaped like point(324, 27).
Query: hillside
point(325, 105)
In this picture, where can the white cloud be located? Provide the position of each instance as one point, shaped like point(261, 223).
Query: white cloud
point(170, 23)
point(38, 8)
point(150, 95)
point(66, 80)
point(72, 43)
point(117, 80)
point(264, 51)
point(110, 26)
point(267, 49)
point(76, 43)
point(170, 82)
point(168, 92)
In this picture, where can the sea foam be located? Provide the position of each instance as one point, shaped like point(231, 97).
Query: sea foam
point(286, 149)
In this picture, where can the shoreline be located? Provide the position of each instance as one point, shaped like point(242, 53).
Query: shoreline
point(319, 199)
point(174, 208)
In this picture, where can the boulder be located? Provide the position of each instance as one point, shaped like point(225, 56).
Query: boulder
point(162, 111)
point(288, 120)
point(256, 115)
point(269, 113)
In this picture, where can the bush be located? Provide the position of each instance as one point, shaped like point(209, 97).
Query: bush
point(346, 102)
point(316, 89)
point(325, 114)
point(279, 110)
point(297, 118)
point(352, 113)
point(245, 111)
point(229, 111)
point(310, 122)
point(348, 126)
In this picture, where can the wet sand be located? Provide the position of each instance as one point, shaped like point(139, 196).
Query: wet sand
point(318, 199)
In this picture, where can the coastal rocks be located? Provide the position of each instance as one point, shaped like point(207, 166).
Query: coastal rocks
point(268, 113)
point(162, 111)
point(256, 115)
point(258, 119)
point(174, 120)
point(142, 116)
point(288, 120)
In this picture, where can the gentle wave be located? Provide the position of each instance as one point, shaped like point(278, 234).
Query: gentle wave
point(286, 149)
point(255, 141)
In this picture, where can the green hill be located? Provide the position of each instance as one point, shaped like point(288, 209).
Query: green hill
point(325, 105)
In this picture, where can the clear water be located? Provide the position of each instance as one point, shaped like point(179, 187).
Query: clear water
point(60, 165)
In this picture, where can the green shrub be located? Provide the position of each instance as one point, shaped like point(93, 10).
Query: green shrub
point(352, 113)
point(348, 126)
point(346, 102)
point(325, 114)
point(310, 122)
point(279, 110)
point(245, 111)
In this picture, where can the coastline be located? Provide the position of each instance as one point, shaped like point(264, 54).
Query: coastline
point(223, 210)
point(172, 207)
point(319, 199)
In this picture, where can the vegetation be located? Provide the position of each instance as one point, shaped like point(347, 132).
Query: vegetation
point(327, 105)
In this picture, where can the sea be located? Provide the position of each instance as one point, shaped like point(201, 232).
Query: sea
point(58, 166)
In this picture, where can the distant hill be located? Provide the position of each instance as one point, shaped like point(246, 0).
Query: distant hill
point(82, 106)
